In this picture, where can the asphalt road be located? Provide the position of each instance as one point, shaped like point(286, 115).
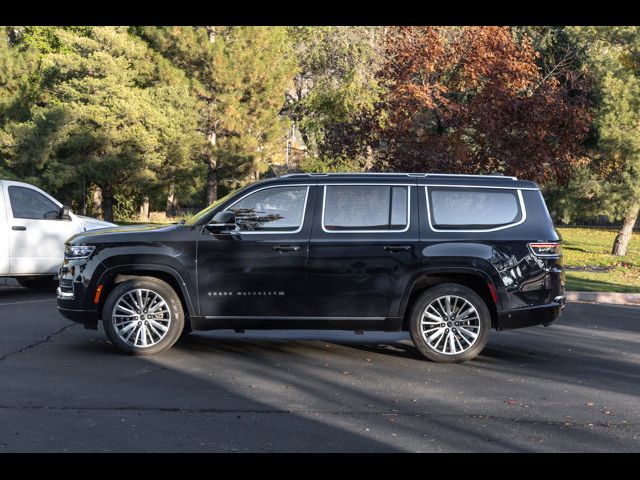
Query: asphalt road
point(574, 386)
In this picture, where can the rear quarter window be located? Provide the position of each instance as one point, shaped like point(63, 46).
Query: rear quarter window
point(472, 208)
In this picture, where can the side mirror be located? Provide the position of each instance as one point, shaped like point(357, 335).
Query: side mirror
point(64, 213)
point(222, 222)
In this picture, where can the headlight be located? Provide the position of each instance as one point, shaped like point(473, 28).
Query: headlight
point(78, 251)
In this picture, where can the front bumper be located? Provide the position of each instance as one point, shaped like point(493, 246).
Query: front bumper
point(530, 316)
point(88, 318)
point(66, 298)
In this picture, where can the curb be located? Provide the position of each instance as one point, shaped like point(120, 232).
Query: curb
point(604, 297)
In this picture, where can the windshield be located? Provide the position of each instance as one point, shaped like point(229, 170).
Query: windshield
point(205, 212)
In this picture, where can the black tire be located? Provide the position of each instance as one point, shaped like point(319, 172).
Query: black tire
point(171, 298)
point(46, 283)
point(431, 295)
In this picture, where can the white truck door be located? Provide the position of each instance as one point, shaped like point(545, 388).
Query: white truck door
point(4, 236)
point(36, 233)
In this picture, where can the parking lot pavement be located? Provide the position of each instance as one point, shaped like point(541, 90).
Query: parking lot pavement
point(574, 386)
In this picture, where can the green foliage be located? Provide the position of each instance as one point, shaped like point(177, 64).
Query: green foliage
point(108, 110)
point(324, 165)
point(336, 87)
point(254, 68)
point(46, 39)
point(124, 208)
point(144, 111)
point(613, 56)
point(582, 199)
point(239, 76)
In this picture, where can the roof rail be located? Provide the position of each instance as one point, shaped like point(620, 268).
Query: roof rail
point(467, 175)
point(299, 175)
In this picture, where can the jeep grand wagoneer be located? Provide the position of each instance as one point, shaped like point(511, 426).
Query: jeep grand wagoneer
point(445, 257)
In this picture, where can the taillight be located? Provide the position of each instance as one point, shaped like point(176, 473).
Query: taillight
point(546, 249)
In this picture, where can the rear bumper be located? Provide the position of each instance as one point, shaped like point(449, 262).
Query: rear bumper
point(530, 316)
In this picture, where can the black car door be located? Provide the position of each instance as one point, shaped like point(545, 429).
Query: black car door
point(258, 270)
point(362, 249)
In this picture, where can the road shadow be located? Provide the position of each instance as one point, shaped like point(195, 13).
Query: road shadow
point(311, 391)
point(12, 294)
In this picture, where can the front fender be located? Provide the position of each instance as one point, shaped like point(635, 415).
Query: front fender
point(110, 274)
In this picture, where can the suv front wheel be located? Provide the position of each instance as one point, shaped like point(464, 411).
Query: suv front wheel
point(143, 316)
point(450, 323)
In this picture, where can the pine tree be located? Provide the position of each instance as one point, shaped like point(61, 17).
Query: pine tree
point(239, 75)
point(108, 110)
point(613, 57)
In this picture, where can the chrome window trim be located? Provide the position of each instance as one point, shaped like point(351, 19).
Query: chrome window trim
point(477, 230)
point(376, 184)
point(273, 232)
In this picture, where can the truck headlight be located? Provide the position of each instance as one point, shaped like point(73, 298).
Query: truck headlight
point(78, 251)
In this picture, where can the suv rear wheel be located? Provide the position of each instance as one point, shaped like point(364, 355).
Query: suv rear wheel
point(143, 316)
point(450, 323)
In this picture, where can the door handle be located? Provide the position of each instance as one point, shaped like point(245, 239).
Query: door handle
point(397, 248)
point(19, 228)
point(286, 248)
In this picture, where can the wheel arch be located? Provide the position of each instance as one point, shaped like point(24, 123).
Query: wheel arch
point(475, 279)
point(121, 273)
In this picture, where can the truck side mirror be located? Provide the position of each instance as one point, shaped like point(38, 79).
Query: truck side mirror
point(222, 222)
point(64, 213)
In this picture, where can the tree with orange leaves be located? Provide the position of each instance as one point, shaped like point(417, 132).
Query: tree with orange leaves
point(473, 100)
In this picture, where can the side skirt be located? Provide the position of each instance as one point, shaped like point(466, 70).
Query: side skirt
point(381, 324)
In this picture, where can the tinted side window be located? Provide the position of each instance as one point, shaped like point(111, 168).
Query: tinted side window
point(365, 207)
point(27, 203)
point(473, 208)
point(271, 209)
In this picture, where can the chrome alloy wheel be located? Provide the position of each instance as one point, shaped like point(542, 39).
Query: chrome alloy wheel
point(141, 317)
point(450, 325)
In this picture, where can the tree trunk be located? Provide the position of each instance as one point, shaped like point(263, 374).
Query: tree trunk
point(107, 204)
point(171, 201)
point(211, 33)
point(369, 162)
point(144, 209)
point(212, 169)
point(212, 163)
point(97, 203)
point(621, 242)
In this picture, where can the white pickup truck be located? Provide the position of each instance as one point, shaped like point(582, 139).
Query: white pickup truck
point(33, 229)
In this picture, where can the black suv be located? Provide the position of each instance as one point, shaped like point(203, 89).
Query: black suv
point(445, 257)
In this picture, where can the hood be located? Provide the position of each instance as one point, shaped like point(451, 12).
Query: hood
point(121, 234)
point(93, 223)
